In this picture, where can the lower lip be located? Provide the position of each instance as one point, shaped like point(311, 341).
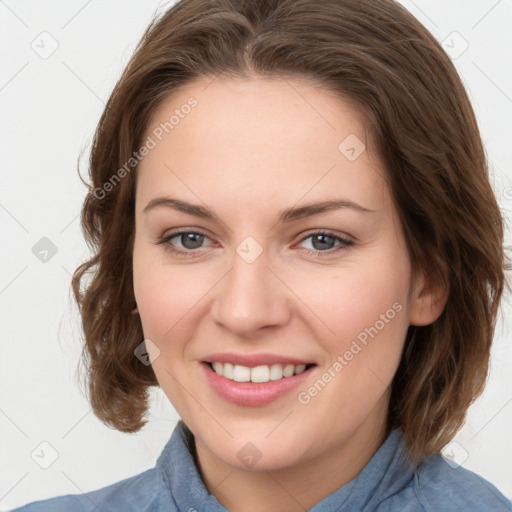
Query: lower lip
point(253, 393)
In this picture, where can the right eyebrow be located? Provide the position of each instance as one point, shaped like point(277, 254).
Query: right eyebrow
point(182, 206)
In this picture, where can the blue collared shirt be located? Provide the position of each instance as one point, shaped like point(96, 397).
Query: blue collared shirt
point(386, 484)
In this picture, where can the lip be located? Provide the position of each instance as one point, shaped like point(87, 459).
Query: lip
point(252, 394)
point(252, 360)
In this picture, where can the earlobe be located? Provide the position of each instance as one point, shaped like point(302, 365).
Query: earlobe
point(427, 302)
point(135, 311)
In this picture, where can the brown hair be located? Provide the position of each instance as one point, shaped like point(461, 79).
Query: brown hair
point(371, 52)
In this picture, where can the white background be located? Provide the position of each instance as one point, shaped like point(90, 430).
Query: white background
point(49, 109)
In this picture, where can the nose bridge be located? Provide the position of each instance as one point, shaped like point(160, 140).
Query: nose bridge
point(251, 296)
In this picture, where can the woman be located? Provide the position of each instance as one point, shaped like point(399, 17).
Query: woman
point(296, 240)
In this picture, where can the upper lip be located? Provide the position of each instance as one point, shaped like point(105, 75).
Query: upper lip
point(252, 360)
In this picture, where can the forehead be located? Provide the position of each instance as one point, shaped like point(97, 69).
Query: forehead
point(273, 110)
point(260, 136)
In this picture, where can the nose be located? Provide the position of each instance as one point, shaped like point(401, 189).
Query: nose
point(249, 297)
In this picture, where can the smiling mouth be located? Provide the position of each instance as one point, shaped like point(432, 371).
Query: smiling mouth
point(257, 374)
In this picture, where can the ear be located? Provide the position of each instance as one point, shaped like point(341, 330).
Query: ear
point(135, 311)
point(428, 300)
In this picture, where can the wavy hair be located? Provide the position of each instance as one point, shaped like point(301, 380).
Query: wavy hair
point(375, 54)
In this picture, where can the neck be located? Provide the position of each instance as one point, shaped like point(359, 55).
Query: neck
point(294, 488)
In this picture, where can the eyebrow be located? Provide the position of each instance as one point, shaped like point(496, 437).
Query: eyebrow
point(285, 216)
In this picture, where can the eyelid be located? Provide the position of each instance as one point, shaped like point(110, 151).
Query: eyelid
point(328, 232)
point(344, 242)
point(167, 236)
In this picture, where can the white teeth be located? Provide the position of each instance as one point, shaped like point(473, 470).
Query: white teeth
point(218, 367)
point(262, 373)
point(288, 370)
point(276, 372)
point(227, 370)
point(299, 368)
point(241, 373)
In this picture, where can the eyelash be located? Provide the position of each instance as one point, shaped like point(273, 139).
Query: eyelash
point(165, 241)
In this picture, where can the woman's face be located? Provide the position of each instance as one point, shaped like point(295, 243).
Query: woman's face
point(290, 253)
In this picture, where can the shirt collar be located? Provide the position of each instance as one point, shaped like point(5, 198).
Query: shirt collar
point(388, 471)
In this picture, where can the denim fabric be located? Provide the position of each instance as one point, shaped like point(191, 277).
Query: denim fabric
point(387, 484)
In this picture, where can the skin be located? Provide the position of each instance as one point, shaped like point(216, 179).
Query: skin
point(249, 149)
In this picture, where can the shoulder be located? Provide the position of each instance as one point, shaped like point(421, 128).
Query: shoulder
point(439, 485)
point(145, 491)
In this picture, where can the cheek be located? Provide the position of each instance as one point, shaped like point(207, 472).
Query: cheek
point(161, 300)
point(168, 298)
point(361, 315)
point(350, 299)
point(371, 327)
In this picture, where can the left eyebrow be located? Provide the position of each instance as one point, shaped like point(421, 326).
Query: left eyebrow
point(311, 209)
